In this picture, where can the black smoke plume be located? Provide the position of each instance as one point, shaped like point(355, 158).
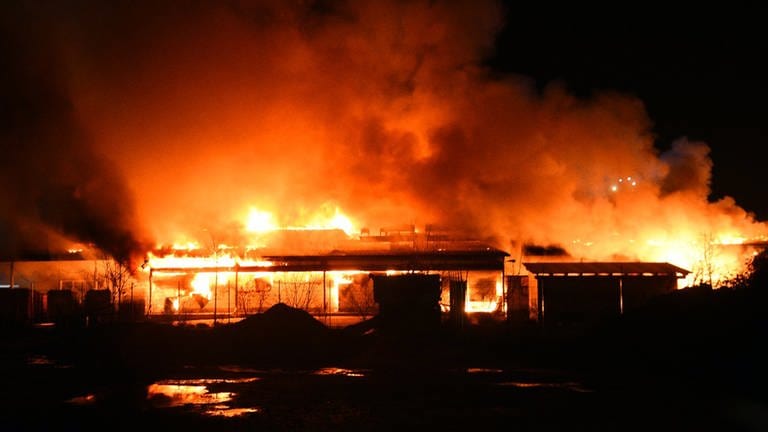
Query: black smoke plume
point(56, 189)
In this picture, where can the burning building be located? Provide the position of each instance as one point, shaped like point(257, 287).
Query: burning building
point(189, 139)
point(323, 271)
point(330, 273)
point(69, 287)
point(339, 278)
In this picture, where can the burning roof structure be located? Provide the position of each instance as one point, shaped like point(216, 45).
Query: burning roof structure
point(184, 138)
point(335, 278)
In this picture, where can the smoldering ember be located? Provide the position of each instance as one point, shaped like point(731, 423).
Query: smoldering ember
point(332, 215)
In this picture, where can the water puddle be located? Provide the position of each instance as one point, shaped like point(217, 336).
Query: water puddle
point(528, 379)
point(195, 393)
point(173, 395)
point(354, 373)
point(206, 381)
point(226, 411)
point(240, 369)
point(568, 385)
point(231, 391)
point(484, 371)
point(43, 360)
point(82, 400)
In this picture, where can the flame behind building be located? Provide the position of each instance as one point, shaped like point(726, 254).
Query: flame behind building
point(148, 126)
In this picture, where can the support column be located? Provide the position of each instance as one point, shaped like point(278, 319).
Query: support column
point(149, 307)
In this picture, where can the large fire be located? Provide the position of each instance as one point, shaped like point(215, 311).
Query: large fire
point(220, 264)
point(713, 259)
point(224, 134)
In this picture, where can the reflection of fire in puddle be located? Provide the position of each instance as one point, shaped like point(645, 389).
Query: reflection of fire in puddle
point(572, 386)
point(194, 392)
point(39, 360)
point(82, 400)
point(239, 369)
point(42, 360)
point(356, 373)
point(207, 381)
point(547, 383)
point(483, 371)
point(226, 411)
point(170, 395)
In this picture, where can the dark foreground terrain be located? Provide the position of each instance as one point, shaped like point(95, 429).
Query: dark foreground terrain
point(693, 360)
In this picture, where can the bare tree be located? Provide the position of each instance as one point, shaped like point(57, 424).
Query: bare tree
point(261, 291)
point(118, 278)
point(296, 291)
point(361, 298)
point(704, 269)
point(255, 291)
point(485, 289)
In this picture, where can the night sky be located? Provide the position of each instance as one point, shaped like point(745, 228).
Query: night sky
point(699, 70)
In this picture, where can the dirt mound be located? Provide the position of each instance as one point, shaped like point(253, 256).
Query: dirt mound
point(281, 335)
point(281, 321)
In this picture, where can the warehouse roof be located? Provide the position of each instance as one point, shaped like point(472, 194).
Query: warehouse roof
point(482, 259)
point(605, 269)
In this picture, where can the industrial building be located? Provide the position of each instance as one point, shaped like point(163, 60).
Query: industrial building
point(333, 278)
point(584, 292)
point(359, 277)
point(340, 282)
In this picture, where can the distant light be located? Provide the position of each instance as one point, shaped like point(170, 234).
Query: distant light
point(614, 188)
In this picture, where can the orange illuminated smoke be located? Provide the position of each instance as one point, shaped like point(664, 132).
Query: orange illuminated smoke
point(388, 118)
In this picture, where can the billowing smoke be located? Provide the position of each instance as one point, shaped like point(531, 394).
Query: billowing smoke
point(690, 169)
point(380, 108)
point(56, 188)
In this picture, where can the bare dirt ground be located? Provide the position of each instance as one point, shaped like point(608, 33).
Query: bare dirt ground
point(693, 362)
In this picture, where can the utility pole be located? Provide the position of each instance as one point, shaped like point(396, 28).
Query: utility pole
point(178, 298)
point(237, 271)
point(215, 247)
point(229, 313)
point(215, 286)
point(131, 308)
point(325, 303)
point(149, 308)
